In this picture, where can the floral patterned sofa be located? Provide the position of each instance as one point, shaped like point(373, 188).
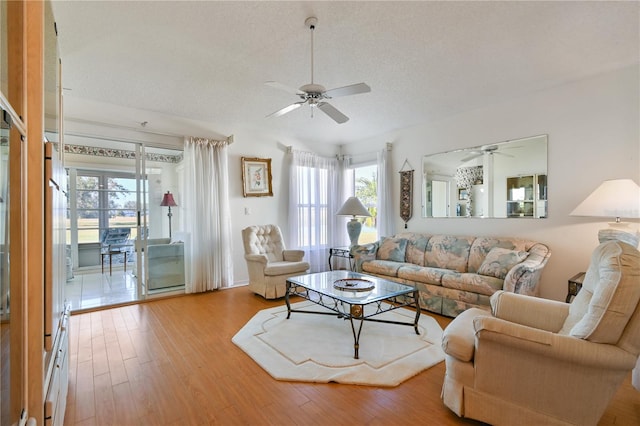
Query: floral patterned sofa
point(454, 273)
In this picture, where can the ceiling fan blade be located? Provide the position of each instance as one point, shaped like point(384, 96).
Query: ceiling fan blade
point(353, 89)
point(332, 112)
point(284, 87)
point(286, 109)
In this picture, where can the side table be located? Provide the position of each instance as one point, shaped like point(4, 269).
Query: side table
point(113, 252)
point(575, 284)
point(344, 252)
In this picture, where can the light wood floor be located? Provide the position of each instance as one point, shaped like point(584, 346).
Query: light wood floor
point(172, 362)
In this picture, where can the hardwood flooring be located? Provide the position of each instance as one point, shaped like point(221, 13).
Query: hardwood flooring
point(172, 362)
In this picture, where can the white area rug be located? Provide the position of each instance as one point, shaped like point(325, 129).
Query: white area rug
point(319, 348)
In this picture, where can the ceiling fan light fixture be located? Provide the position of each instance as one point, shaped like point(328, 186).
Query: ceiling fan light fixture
point(315, 94)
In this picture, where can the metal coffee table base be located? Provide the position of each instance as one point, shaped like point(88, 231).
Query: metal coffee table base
point(354, 312)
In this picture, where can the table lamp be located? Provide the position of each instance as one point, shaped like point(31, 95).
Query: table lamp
point(615, 198)
point(168, 201)
point(353, 207)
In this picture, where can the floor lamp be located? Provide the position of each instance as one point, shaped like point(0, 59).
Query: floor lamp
point(168, 201)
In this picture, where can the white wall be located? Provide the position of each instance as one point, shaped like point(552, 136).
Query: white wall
point(593, 128)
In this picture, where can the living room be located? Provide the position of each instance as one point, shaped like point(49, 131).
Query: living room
point(589, 119)
point(567, 71)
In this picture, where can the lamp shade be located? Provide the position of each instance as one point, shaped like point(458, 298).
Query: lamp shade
point(167, 200)
point(353, 207)
point(616, 198)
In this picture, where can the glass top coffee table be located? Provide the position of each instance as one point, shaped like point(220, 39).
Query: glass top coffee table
point(353, 296)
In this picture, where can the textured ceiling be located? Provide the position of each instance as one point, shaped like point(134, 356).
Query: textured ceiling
point(208, 61)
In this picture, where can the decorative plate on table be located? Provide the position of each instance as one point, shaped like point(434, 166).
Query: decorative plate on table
point(353, 284)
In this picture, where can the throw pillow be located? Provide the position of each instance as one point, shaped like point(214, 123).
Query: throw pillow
point(393, 249)
point(499, 262)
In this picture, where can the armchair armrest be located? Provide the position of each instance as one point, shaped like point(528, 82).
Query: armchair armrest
point(259, 258)
point(531, 311)
point(293, 255)
point(550, 345)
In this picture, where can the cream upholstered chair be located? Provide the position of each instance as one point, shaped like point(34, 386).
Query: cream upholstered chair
point(269, 263)
point(543, 362)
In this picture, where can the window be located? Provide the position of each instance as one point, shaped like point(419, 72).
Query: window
point(103, 200)
point(314, 198)
point(312, 208)
point(366, 189)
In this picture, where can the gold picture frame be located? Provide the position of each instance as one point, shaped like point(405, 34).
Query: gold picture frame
point(256, 177)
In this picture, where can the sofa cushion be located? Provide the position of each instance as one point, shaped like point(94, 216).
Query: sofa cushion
point(393, 249)
point(482, 246)
point(448, 252)
point(283, 268)
point(474, 283)
point(382, 267)
point(416, 245)
point(500, 260)
point(603, 307)
point(421, 274)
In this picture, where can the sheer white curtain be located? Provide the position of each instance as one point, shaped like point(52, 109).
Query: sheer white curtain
point(386, 224)
point(346, 181)
point(206, 215)
point(313, 203)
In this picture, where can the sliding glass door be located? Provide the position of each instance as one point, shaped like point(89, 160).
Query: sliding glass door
point(116, 209)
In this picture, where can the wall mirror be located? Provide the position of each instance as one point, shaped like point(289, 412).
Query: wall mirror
point(502, 180)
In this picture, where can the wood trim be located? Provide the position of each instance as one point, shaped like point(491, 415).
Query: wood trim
point(34, 191)
point(16, 97)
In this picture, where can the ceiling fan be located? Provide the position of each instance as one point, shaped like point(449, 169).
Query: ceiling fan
point(315, 94)
point(487, 149)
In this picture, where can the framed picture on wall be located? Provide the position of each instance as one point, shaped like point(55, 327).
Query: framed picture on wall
point(256, 177)
point(463, 194)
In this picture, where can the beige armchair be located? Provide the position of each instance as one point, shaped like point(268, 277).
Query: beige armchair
point(543, 362)
point(269, 263)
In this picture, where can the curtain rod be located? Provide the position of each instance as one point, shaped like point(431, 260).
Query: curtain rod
point(388, 147)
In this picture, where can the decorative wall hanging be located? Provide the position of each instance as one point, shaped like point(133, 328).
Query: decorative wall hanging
point(256, 177)
point(406, 192)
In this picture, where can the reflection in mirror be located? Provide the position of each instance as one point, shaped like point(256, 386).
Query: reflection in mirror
point(506, 179)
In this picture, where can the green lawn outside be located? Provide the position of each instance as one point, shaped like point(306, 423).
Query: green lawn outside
point(367, 237)
point(88, 228)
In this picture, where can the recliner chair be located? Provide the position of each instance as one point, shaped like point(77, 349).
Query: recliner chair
point(544, 362)
point(269, 262)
